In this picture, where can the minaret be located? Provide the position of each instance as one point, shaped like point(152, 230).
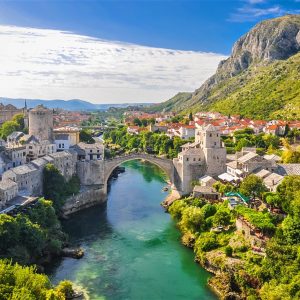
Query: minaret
point(25, 112)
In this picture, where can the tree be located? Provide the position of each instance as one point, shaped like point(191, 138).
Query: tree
point(137, 122)
point(19, 118)
point(253, 186)
point(19, 282)
point(54, 186)
point(222, 217)
point(228, 251)
point(206, 241)
point(192, 219)
point(190, 116)
point(8, 128)
point(86, 137)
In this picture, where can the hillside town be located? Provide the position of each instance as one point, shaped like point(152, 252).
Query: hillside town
point(204, 166)
point(24, 155)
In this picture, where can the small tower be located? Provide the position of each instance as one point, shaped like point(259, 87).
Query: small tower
point(25, 113)
point(214, 151)
point(41, 123)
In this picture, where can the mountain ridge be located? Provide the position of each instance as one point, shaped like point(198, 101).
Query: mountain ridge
point(268, 42)
point(72, 105)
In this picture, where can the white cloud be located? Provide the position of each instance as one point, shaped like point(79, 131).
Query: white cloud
point(249, 13)
point(53, 64)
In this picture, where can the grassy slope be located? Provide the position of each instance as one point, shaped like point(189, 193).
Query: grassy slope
point(176, 104)
point(270, 91)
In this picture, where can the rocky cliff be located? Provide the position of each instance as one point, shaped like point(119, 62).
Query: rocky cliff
point(269, 41)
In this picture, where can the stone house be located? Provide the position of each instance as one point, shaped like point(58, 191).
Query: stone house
point(14, 139)
point(17, 155)
point(65, 162)
point(27, 178)
point(206, 192)
point(8, 191)
point(5, 162)
point(272, 181)
point(89, 151)
point(207, 181)
point(248, 163)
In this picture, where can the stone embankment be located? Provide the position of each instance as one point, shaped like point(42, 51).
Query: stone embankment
point(87, 197)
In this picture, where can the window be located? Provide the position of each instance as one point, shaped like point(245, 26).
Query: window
point(194, 159)
point(210, 135)
point(187, 159)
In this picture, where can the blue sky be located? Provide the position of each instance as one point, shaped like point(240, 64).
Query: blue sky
point(202, 25)
point(120, 51)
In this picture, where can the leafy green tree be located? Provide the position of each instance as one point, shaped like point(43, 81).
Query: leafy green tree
point(288, 191)
point(192, 219)
point(177, 208)
point(9, 232)
point(18, 283)
point(206, 241)
point(86, 137)
point(54, 186)
point(228, 251)
point(252, 186)
point(8, 128)
point(66, 288)
point(222, 217)
point(137, 122)
point(19, 119)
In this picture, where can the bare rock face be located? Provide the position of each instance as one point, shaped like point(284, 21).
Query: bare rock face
point(274, 39)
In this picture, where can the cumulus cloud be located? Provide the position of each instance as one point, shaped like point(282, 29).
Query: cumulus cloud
point(53, 64)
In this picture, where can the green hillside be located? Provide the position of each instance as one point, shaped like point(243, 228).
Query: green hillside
point(269, 91)
point(176, 103)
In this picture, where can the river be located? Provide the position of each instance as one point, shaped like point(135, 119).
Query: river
point(132, 247)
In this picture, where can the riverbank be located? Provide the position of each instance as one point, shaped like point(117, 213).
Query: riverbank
point(209, 247)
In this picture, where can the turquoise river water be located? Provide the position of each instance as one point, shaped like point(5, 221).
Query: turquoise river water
point(132, 247)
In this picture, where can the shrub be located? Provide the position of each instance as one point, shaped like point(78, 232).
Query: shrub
point(228, 251)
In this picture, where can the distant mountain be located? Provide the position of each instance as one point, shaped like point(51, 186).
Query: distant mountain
point(261, 78)
point(73, 105)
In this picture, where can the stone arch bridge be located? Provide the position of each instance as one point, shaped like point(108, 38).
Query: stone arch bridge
point(165, 164)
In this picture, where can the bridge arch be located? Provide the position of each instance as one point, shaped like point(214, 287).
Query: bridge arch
point(165, 164)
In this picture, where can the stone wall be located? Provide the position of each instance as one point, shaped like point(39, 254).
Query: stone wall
point(91, 172)
point(87, 197)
